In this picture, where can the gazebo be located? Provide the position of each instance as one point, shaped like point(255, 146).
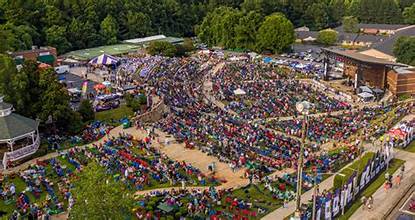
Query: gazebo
point(19, 136)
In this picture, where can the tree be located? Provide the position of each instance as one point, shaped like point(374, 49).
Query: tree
point(86, 110)
point(327, 37)
point(247, 29)
point(7, 71)
point(404, 50)
point(54, 101)
point(405, 3)
point(188, 45)
point(98, 196)
point(318, 16)
point(337, 9)
point(409, 14)
point(350, 24)
point(109, 30)
point(275, 34)
point(56, 37)
point(376, 11)
point(163, 48)
point(138, 24)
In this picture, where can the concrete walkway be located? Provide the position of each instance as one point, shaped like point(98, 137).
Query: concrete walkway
point(384, 200)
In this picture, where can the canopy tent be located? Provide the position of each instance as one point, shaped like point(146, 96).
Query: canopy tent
point(365, 89)
point(267, 59)
point(365, 95)
point(309, 38)
point(104, 59)
point(99, 87)
point(239, 92)
point(397, 132)
point(106, 83)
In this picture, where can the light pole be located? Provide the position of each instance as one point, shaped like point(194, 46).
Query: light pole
point(303, 108)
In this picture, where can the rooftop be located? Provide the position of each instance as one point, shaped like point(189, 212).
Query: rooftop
point(386, 46)
point(37, 50)
point(146, 40)
point(392, 27)
point(116, 49)
point(14, 125)
point(405, 70)
point(362, 57)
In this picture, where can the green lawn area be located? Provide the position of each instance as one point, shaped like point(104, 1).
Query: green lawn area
point(114, 114)
point(410, 147)
point(259, 196)
point(358, 165)
point(372, 188)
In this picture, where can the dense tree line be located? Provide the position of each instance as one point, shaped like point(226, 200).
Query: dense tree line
point(404, 50)
point(232, 28)
point(76, 24)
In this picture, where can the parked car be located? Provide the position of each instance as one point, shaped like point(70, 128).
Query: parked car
point(62, 69)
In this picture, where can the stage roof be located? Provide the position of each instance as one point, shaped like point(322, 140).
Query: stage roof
point(362, 57)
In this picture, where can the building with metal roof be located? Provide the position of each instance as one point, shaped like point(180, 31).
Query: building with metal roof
point(19, 136)
point(371, 71)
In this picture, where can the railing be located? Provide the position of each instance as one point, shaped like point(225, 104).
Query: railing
point(20, 153)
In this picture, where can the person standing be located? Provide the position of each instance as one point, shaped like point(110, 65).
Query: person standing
point(398, 180)
point(402, 171)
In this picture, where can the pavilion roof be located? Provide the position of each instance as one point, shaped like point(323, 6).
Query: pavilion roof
point(14, 125)
point(4, 106)
point(362, 57)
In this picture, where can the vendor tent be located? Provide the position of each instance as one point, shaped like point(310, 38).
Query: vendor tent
point(267, 59)
point(365, 89)
point(99, 87)
point(239, 92)
point(365, 96)
point(104, 59)
point(106, 83)
point(309, 38)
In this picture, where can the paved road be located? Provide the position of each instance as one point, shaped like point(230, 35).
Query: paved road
point(402, 207)
point(385, 201)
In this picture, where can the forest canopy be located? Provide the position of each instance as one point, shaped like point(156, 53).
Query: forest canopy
point(77, 24)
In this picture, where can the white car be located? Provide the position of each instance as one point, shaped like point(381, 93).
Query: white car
point(62, 69)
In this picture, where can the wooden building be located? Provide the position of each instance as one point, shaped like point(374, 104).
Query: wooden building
point(374, 72)
point(401, 80)
point(46, 55)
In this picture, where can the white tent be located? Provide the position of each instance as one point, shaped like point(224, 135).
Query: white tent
point(365, 95)
point(106, 83)
point(309, 38)
point(239, 92)
point(365, 89)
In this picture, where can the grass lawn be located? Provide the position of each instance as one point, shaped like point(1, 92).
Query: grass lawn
point(114, 114)
point(259, 196)
point(410, 147)
point(358, 165)
point(372, 188)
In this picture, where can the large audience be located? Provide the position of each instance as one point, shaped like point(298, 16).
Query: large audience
point(267, 94)
point(238, 140)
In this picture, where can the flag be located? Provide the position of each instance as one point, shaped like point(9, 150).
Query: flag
point(84, 87)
